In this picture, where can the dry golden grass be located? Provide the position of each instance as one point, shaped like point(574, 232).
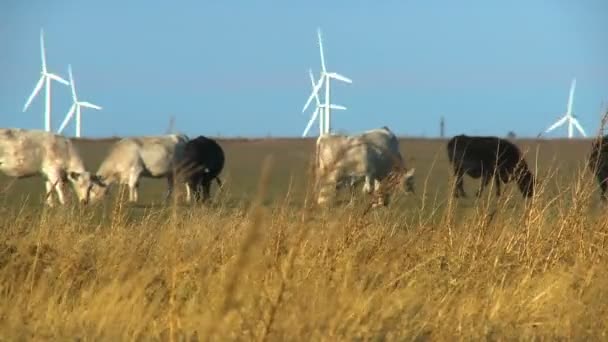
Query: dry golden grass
point(274, 268)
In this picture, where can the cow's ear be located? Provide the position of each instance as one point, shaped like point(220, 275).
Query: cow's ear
point(74, 175)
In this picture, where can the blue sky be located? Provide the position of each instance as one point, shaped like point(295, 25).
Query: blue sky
point(239, 68)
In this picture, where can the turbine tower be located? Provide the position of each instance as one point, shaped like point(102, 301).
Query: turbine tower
point(75, 108)
point(171, 127)
point(319, 110)
point(569, 117)
point(325, 78)
point(45, 79)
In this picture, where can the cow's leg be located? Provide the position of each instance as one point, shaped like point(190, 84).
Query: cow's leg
point(59, 191)
point(133, 184)
point(198, 191)
point(327, 187)
point(54, 183)
point(497, 183)
point(169, 187)
point(206, 189)
point(369, 185)
point(459, 183)
point(194, 182)
point(49, 192)
point(485, 180)
point(380, 198)
point(188, 193)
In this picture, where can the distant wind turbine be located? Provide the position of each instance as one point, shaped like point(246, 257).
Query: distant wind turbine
point(325, 78)
point(569, 117)
point(75, 108)
point(319, 110)
point(171, 126)
point(45, 78)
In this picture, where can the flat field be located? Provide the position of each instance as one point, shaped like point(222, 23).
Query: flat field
point(262, 263)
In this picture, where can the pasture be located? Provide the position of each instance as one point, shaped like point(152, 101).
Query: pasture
point(262, 263)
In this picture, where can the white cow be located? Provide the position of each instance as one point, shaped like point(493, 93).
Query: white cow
point(28, 153)
point(371, 156)
point(135, 157)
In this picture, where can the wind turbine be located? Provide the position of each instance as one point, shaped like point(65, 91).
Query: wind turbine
point(325, 78)
point(75, 108)
point(318, 110)
point(45, 78)
point(571, 119)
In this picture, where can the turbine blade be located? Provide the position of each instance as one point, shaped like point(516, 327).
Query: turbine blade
point(42, 51)
point(34, 93)
point(571, 96)
point(57, 78)
point(314, 93)
point(333, 106)
point(579, 127)
point(67, 119)
point(72, 85)
point(89, 105)
point(312, 81)
point(557, 124)
point(340, 77)
point(312, 78)
point(321, 50)
point(310, 122)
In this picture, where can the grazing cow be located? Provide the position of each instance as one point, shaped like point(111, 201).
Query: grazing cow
point(598, 163)
point(135, 157)
point(28, 153)
point(371, 156)
point(488, 157)
point(201, 163)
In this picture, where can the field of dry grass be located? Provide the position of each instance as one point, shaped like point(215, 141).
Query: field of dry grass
point(262, 263)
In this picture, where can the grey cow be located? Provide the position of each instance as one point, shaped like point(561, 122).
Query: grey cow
point(370, 156)
point(28, 153)
point(135, 157)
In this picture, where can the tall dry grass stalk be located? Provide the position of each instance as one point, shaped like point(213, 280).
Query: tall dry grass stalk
point(450, 269)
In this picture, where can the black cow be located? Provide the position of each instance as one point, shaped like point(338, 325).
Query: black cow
point(598, 163)
point(488, 157)
point(202, 162)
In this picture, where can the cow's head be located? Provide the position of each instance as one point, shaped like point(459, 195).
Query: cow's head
point(526, 184)
point(99, 188)
point(407, 181)
point(83, 183)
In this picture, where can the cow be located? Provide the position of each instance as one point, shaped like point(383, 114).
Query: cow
point(598, 164)
point(131, 158)
point(488, 157)
point(371, 157)
point(202, 161)
point(28, 153)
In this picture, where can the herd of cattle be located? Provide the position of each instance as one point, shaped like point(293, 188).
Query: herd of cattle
point(372, 157)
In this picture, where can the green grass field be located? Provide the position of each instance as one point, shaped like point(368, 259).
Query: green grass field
point(261, 263)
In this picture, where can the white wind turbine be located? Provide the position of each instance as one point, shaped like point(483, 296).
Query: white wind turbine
point(569, 117)
point(325, 79)
point(75, 108)
point(318, 110)
point(45, 78)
